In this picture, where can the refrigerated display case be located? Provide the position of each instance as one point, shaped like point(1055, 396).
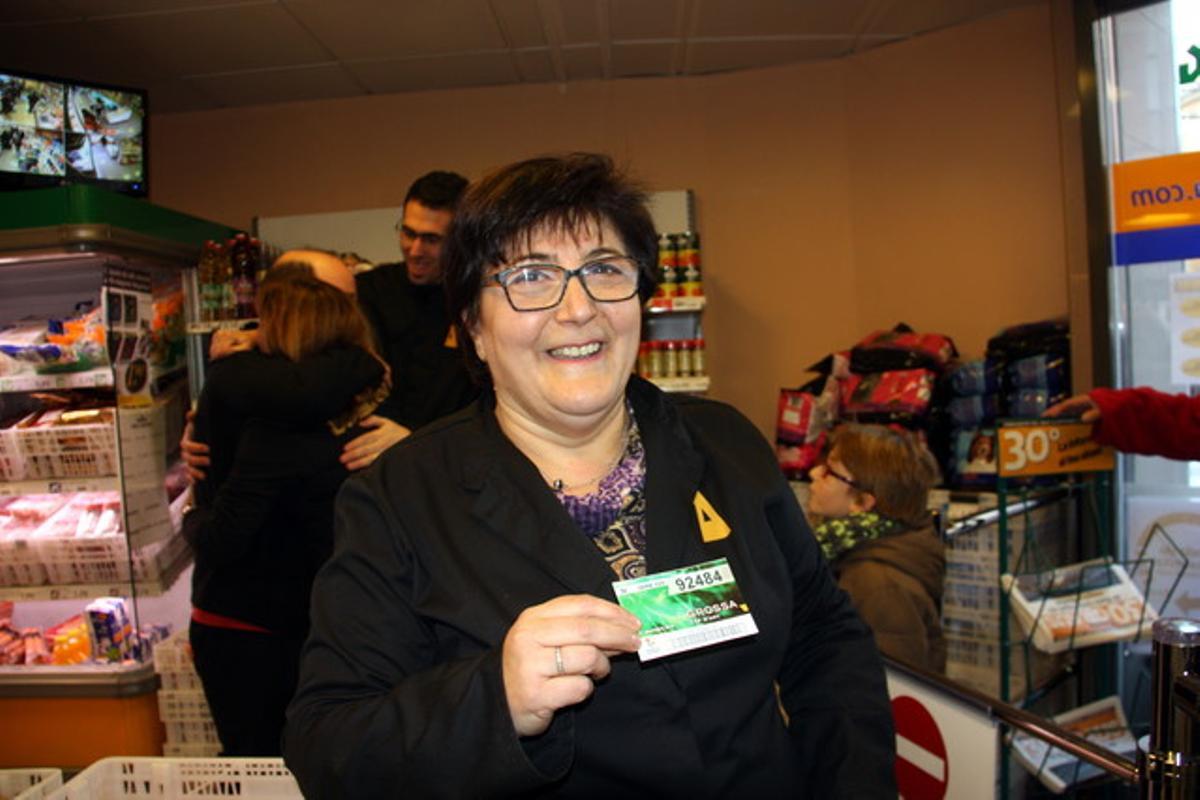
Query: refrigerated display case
point(93, 396)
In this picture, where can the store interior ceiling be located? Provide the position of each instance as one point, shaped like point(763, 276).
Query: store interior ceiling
point(194, 55)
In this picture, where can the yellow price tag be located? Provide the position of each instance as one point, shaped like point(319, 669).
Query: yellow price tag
point(1046, 447)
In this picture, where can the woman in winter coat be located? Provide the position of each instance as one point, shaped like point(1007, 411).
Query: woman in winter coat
point(868, 507)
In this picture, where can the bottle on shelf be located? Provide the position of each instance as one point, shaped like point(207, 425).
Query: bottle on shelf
point(656, 360)
point(699, 368)
point(689, 265)
point(206, 278)
point(668, 273)
point(244, 268)
point(670, 358)
point(226, 302)
point(685, 358)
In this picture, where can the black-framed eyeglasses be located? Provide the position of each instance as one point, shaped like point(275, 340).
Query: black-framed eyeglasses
point(837, 476)
point(430, 239)
point(537, 287)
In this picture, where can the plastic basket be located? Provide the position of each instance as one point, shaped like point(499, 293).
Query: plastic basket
point(29, 784)
point(21, 563)
point(182, 705)
point(191, 731)
point(199, 750)
point(176, 680)
point(63, 451)
point(173, 653)
point(172, 778)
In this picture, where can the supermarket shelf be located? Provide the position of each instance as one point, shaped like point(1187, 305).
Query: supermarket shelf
point(219, 325)
point(98, 377)
point(696, 384)
point(110, 483)
point(146, 587)
point(669, 305)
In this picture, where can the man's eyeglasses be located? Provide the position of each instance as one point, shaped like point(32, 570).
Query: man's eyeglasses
point(430, 239)
point(537, 287)
point(837, 476)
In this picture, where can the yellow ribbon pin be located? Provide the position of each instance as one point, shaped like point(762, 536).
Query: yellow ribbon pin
point(712, 527)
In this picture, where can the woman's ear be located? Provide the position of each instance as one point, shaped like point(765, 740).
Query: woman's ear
point(476, 339)
point(862, 502)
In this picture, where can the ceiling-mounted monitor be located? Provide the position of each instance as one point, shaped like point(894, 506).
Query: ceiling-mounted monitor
point(55, 131)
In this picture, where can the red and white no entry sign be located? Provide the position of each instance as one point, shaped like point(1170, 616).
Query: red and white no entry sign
point(922, 768)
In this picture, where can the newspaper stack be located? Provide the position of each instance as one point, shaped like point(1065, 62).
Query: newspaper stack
point(1079, 605)
point(1102, 722)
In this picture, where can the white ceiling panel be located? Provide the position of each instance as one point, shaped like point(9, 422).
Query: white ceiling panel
point(435, 72)
point(583, 63)
point(246, 37)
point(279, 86)
point(520, 22)
point(535, 66)
point(376, 29)
point(639, 59)
point(201, 53)
point(636, 19)
point(801, 17)
point(722, 56)
point(901, 18)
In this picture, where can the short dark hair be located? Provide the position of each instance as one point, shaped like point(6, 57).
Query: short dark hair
point(566, 193)
point(438, 190)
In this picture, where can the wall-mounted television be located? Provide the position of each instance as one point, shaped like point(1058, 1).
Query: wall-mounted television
point(55, 131)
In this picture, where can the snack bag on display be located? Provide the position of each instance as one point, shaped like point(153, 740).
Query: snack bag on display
point(973, 411)
point(805, 416)
point(901, 392)
point(902, 348)
point(1044, 371)
point(975, 377)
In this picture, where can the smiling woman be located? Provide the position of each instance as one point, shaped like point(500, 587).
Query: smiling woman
point(470, 614)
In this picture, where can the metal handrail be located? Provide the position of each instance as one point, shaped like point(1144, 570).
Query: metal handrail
point(1168, 766)
point(1112, 763)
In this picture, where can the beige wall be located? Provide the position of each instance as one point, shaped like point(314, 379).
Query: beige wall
point(918, 182)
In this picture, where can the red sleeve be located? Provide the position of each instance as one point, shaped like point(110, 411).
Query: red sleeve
point(1148, 422)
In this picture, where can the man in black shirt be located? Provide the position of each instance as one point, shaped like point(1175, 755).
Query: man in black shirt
point(407, 309)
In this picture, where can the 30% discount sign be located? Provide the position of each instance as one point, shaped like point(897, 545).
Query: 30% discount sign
point(1045, 447)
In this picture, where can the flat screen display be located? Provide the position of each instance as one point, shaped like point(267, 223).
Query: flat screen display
point(58, 132)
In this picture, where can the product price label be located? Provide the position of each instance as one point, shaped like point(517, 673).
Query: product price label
point(686, 609)
point(1050, 448)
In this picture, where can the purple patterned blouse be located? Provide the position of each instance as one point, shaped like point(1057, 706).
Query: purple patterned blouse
point(614, 516)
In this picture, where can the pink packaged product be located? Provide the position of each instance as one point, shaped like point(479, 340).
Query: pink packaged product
point(907, 392)
point(31, 510)
point(85, 515)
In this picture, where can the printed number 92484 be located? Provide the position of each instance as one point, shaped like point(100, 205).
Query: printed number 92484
point(699, 580)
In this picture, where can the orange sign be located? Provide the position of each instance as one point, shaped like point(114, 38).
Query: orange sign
point(1046, 447)
point(1156, 193)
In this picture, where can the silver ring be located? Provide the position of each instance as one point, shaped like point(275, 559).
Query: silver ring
point(558, 662)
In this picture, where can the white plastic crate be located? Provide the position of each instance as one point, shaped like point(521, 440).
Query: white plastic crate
point(174, 778)
point(29, 784)
point(174, 680)
point(21, 564)
point(182, 705)
point(192, 731)
point(173, 653)
point(198, 750)
point(61, 451)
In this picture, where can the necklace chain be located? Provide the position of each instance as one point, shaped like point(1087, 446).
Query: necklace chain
point(560, 486)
